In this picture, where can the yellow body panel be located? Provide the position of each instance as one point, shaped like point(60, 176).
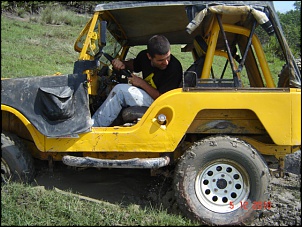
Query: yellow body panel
point(279, 112)
point(275, 113)
point(296, 116)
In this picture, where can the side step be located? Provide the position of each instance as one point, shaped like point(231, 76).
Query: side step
point(142, 163)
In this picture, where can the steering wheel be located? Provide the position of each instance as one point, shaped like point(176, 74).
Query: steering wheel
point(127, 73)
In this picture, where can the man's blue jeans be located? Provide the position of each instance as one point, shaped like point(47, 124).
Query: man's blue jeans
point(122, 95)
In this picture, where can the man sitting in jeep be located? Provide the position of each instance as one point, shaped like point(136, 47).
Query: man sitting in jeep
point(161, 72)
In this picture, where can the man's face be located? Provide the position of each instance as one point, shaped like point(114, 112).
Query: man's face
point(160, 61)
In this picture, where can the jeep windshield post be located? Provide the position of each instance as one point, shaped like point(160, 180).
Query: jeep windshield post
point(224, 131)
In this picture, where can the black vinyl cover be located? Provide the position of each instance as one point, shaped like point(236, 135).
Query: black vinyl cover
point(55, 105)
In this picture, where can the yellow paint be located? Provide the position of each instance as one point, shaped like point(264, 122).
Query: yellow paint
point(181, 108)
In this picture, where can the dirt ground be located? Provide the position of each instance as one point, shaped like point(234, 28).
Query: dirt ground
point(126, 186)
point(137, 186)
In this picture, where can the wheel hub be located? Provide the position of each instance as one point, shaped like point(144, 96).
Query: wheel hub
point(222, 186)
point(221, 183)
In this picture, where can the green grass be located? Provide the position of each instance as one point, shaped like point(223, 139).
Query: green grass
point(23, 205)
point(30, 48)
point(35, 50)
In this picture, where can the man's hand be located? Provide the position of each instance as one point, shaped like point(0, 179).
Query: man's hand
point(141, 83)
point(118, 64)
point(136, 81)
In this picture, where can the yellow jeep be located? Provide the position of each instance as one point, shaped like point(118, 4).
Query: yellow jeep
point(220, 130)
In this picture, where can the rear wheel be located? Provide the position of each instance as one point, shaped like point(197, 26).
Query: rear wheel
point(219, 181)
point(16, 161)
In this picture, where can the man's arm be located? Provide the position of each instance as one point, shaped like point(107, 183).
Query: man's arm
point(118, 64)
point(134, 80)
point(141, 83)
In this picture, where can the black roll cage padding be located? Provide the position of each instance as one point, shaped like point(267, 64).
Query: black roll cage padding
point(248, 45)
point(235, 56)
point(224, 68)
point(235, 77)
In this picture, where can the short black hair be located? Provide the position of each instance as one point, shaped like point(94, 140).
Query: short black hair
point(158, 44)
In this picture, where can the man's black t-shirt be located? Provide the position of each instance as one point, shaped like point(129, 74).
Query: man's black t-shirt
point(164, 80)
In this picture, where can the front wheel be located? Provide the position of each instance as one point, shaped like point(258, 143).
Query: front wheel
point(16, 161)
point(221, 181)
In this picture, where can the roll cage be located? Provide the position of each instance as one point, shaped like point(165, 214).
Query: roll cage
point(228, 27)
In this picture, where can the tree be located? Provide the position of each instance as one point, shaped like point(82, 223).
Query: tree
point(291, 25)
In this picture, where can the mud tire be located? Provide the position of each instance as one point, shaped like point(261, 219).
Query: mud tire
point(195, 197)
point(17, 164)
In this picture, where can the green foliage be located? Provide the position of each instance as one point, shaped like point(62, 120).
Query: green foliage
point(58, 15)
point(291, 25)
point(33, 7)
point(24, 6)
point(297, 5)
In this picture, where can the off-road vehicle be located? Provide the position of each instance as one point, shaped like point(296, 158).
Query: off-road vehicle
point(231, 117)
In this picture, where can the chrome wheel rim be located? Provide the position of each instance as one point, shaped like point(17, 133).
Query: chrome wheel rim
point(222, 186)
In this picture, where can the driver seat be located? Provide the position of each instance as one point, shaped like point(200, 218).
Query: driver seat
point(130, 115)
point(133, 113)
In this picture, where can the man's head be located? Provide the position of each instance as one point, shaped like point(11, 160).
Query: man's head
point(159, 51)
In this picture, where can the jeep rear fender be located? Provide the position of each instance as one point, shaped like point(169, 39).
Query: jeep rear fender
point(278, 110)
